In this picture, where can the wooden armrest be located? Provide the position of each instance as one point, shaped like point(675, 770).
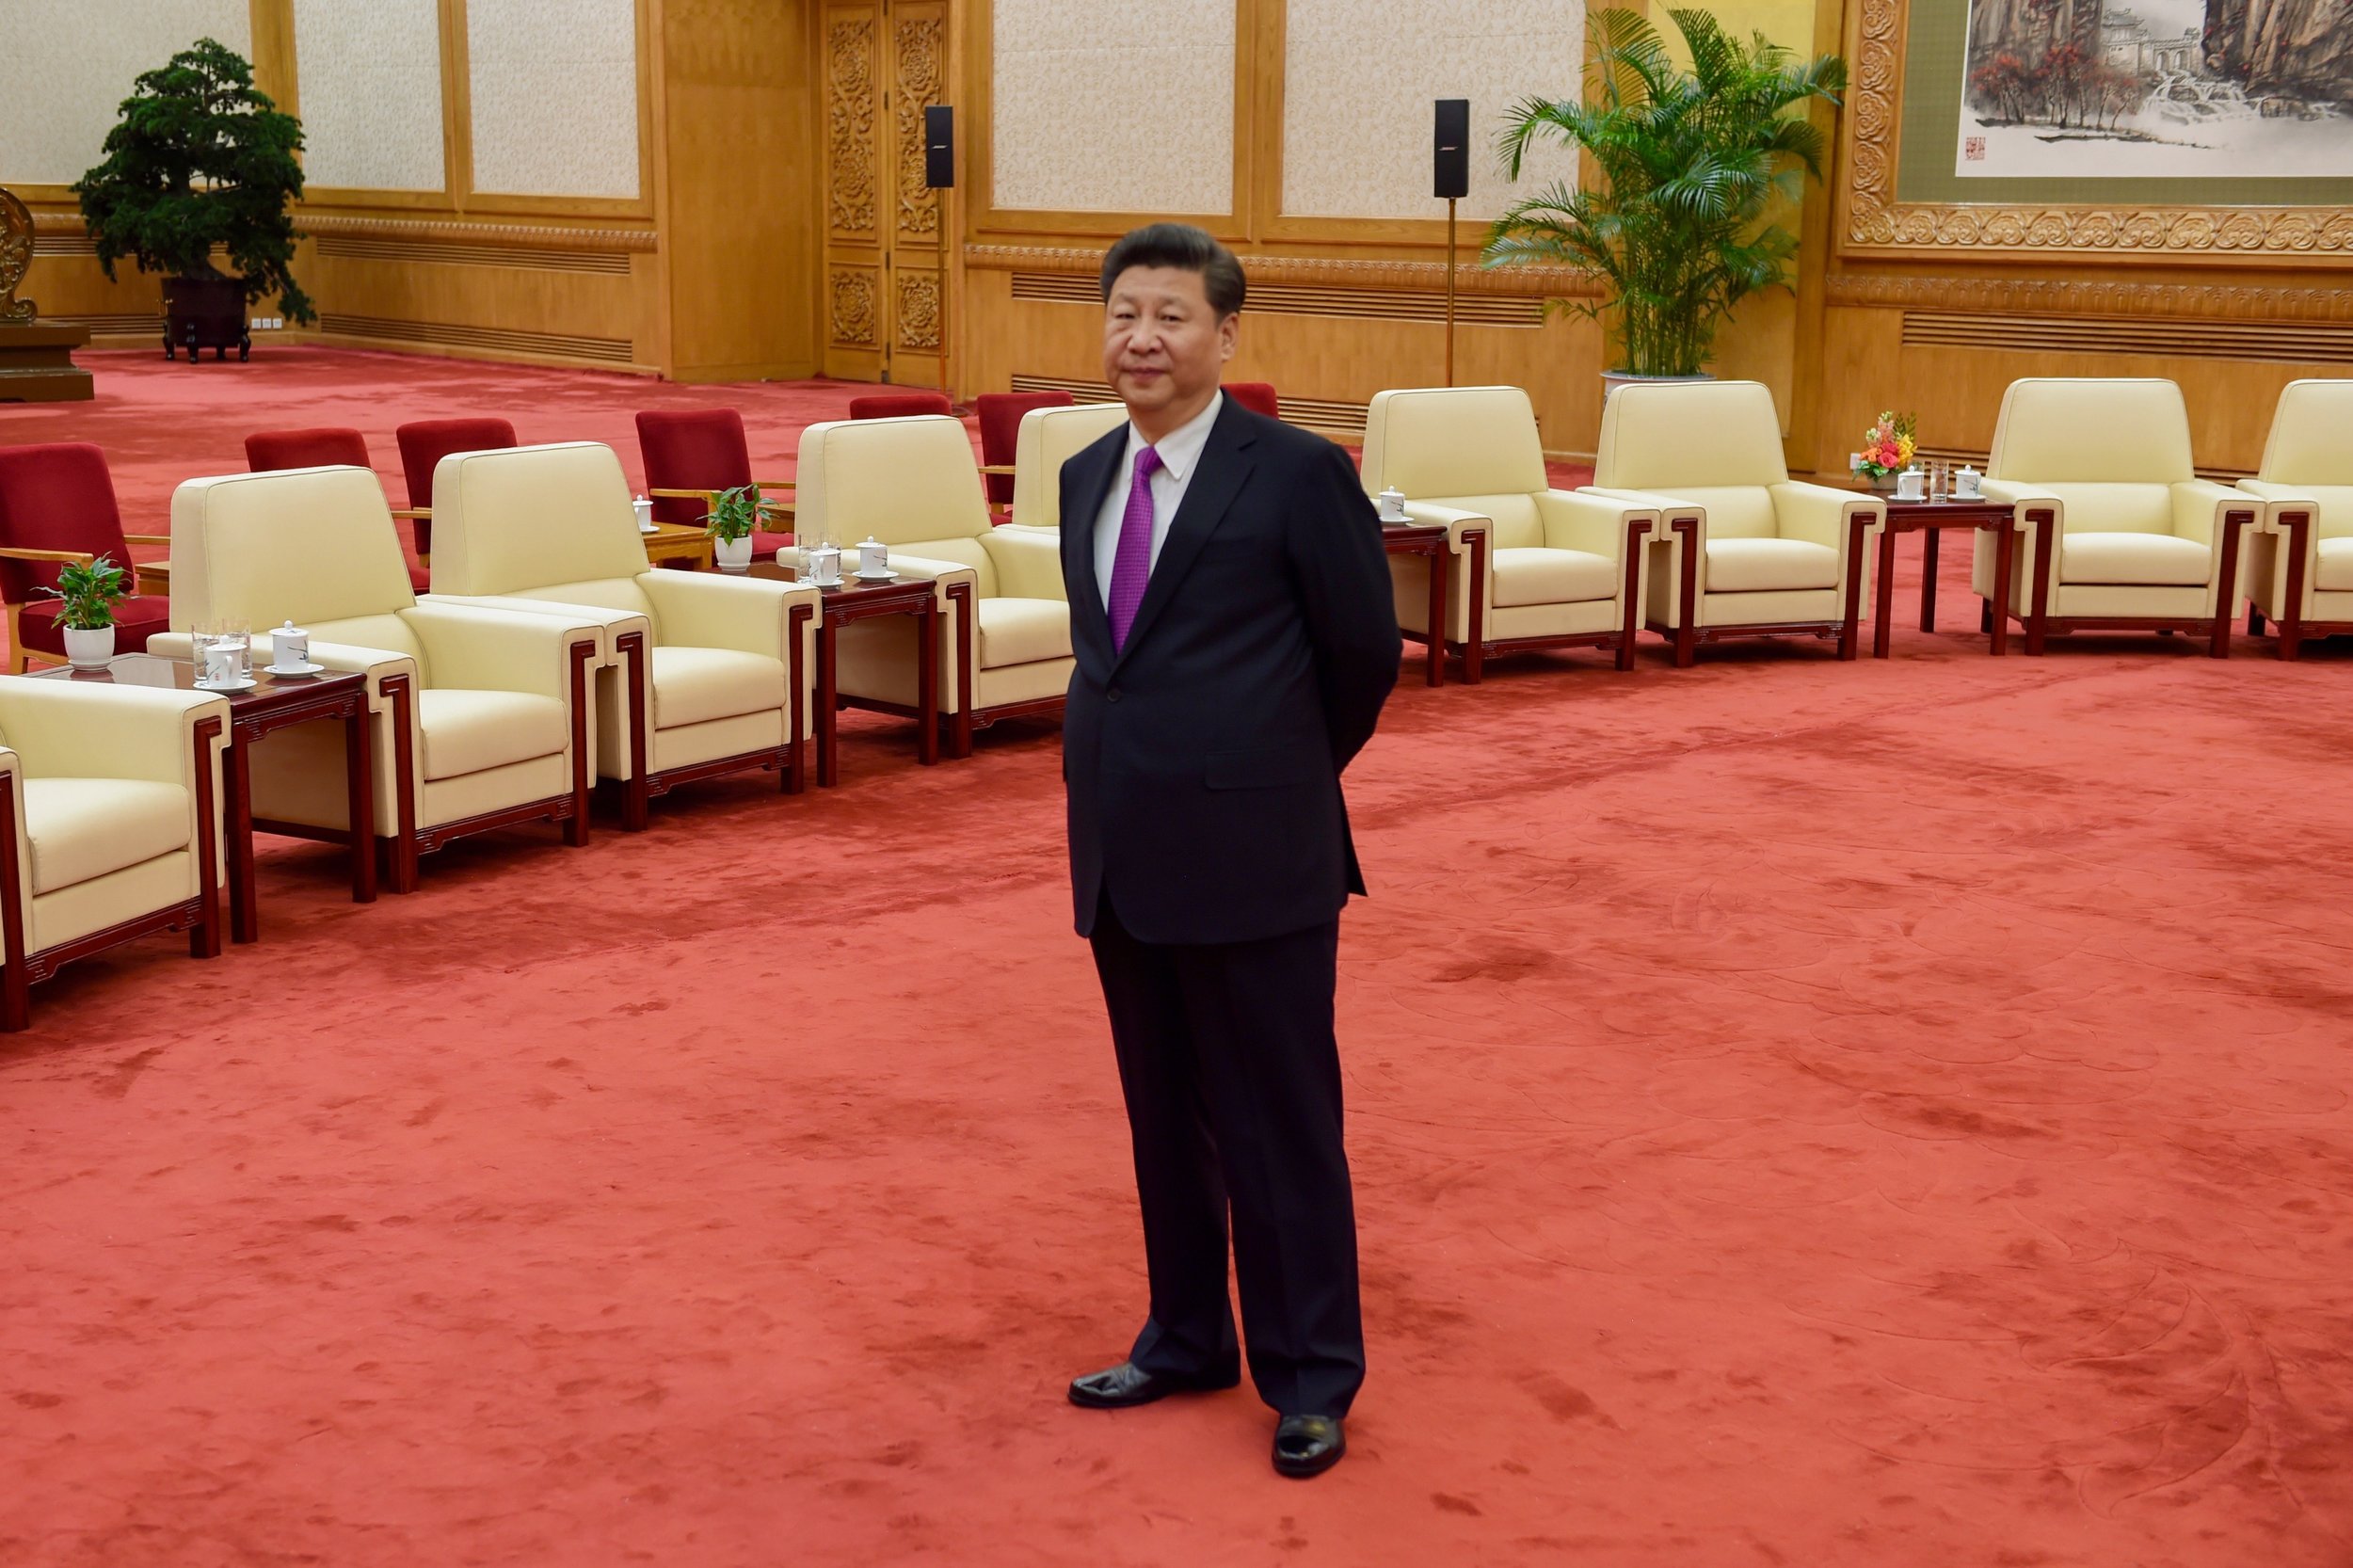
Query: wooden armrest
point(998, 468)
point(146, 539)
point(78, 558)
point(413, 513)
point(683, 495)
point(777, 484)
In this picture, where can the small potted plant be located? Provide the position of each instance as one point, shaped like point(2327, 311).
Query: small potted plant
point(199, 159)
point(732, 516)
point(86, 610)
point(1887, 450)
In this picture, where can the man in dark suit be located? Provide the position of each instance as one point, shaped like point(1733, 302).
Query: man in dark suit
point(1231, 614)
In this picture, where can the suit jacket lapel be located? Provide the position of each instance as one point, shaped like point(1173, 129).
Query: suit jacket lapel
point(1093, 487)
point(1218, 476)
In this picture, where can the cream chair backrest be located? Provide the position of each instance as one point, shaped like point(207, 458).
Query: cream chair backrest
point(550, 521)
point(2312, 449)
point(1472, 448)
point(913, 483)
point(1047, 439)
point(1715, 443)
point(2110, 448)
point(315, 546)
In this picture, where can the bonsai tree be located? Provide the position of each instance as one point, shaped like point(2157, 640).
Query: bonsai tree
point(1688, 161)
point(87, 594)
point(200, 158)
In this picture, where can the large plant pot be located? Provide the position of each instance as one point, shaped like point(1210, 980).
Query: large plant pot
point(205, 312)
point(733, 555)
point(1612, 379)
point(89, 650)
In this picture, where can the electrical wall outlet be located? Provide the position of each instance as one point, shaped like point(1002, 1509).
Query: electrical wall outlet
point(276, 324)
point(258, 322)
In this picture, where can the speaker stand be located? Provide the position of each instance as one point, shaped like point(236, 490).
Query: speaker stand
point(1449, 291)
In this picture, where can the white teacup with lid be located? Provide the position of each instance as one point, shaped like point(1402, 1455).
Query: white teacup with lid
point(874, 559)
point(1393, 505)
point(643, 508)
point(1967, 484)
point(290, 651)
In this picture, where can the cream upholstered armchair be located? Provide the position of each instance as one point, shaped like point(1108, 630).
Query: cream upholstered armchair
point(2114, 531)
point(705, 675)
point(482, 715)
point(110, 824)
point(1047, 439)
point(1744, 549)
point(911, 483)
point(2301, 568)
point(1537, 566)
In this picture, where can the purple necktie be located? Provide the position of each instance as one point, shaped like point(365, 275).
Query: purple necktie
point(1133, 563)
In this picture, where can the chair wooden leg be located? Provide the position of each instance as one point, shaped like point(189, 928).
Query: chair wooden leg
point(1985, 617)
point(2254, 622)
point(400, 875)
point(16, 1002)
point(15, 982)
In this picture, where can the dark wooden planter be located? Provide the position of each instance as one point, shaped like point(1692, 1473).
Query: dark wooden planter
point(205, 312)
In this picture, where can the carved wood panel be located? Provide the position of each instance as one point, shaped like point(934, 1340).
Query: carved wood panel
point(850, 105)
point(885, 62)
point(919, 47)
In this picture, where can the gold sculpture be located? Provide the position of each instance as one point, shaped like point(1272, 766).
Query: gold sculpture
point(16, 255)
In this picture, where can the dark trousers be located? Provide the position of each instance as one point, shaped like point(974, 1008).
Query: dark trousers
point(1232, 1078)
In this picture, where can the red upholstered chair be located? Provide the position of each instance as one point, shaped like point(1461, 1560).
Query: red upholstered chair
point(901, 405)
point(1001, 429)
point(326, 446)
point(1256, 396)
point(423, 444)
point(56, 505)
point(691, 455)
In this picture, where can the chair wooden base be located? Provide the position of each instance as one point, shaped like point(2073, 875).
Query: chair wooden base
point(2293, 628)
point(198, 915)
point(1686, 636)
point(1475, 648)
point(641, 785)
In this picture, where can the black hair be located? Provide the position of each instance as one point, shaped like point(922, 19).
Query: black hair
point(1179, 244)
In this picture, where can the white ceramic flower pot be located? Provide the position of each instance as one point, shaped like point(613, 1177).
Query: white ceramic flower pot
point(89, 650)
point(733, 555)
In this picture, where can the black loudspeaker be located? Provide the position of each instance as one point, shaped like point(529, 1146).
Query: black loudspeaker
point(939, 147)
point(1450, 157)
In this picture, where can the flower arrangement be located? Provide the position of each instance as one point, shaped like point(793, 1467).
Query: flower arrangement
point(1888, 446)
point(87, 593)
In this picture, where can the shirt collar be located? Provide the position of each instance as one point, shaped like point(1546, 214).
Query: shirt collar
point(1182, 447)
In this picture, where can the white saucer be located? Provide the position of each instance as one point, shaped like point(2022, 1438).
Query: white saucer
point(650, 528)
point(294, 669)
point(883, 576)
point(244, 684)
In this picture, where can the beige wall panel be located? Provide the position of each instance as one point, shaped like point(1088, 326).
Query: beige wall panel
point(609, 320)
point(370, 76)
point(552, 86)
point(1358, 80)
point(1113, 106)
point(65, 65)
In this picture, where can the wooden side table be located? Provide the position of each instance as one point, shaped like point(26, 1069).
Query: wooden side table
point(1931, 518)
point(273, 703)
point(1427, 540)
point(853, 600)
point(680, 544)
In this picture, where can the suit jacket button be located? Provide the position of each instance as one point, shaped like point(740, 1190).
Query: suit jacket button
point(1110, 693)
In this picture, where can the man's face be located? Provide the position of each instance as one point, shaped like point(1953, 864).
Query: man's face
point(1163, 345)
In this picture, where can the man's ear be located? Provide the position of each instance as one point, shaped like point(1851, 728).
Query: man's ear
point(1229, 335)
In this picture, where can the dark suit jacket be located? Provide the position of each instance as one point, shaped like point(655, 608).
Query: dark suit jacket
point(1204, 759)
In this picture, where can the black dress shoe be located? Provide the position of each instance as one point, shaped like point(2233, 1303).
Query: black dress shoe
point(1128, 1383)
point(1308, 1445)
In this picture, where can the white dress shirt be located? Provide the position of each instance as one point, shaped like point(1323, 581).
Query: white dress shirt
point(1180, 454)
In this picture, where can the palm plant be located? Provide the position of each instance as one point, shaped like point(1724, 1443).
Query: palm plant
point(1674, 228)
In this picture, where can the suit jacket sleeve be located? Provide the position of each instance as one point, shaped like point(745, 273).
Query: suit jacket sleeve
point(1333, 539)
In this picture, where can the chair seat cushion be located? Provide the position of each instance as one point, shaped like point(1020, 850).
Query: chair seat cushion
point(136, 619)
point(1535, 575)
point(2333, 573)
point(1022, 631)
point(2133, 558)
point(468, 729)
point(692, 685)
point(1769, 566)
point(84, 827)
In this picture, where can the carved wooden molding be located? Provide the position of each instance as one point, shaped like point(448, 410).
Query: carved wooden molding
point(1550, 281)
point(852, 312)
point(462, 232)
point(850, 124)
point(2116, 297)
point(1876, 222)
point(919, 311)
point(16, 256)
point(919, 52)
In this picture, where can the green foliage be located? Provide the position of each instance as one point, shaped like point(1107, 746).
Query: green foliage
point(87, 594)
point(733, 513)
point(199, 158)
point(1673, 228)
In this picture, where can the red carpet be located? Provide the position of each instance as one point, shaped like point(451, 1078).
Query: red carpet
point(1877, 1114)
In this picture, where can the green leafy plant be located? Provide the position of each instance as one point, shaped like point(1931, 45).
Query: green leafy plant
point(199, 159)
point(87, 594)
point(1687, 162)
point(733, 513)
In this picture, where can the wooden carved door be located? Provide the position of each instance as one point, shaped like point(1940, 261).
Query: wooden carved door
point(886, 60)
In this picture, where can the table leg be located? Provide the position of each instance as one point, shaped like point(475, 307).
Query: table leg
point(829, 765)
point(244, 924)
point(1928, 580)
point(927, 684)
point(360, 799)
point(1433, 657)
point(2005, 547)
point(1881, 619)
